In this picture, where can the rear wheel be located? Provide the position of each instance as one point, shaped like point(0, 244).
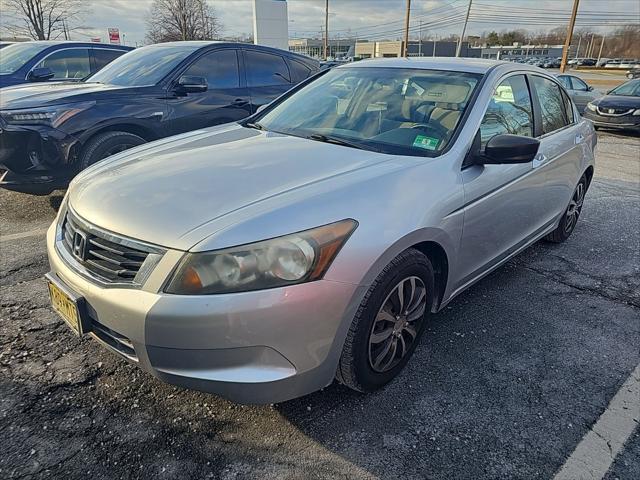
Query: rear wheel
point(106, 144)
point(388, 324)
point(571, 214)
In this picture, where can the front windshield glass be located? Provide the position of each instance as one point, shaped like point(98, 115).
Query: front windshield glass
point(143, 66)
point(14, 56)
point(390, 110)
point(631, 89)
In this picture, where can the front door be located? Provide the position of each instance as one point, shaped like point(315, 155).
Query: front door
point(504, 207)
point(226, 99)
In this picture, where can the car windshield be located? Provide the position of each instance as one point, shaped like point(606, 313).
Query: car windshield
point(630, 88)
point(143, 66)
point(390, 110)
point(14, 56)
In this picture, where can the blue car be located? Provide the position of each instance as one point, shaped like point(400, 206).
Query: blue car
point(44, 61)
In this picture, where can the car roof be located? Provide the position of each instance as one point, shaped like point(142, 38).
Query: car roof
point(468, 65)
point(54, 43)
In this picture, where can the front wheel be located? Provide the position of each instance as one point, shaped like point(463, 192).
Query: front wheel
point(571, 214)
point(106, 144)
point(388, 324)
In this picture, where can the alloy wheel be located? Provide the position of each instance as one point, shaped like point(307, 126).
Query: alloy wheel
point(575, 206)
point(397, 324)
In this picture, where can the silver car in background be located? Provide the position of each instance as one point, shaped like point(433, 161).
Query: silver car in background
point(261, 260)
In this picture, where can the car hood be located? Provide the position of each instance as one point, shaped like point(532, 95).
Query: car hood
point(619, 101)
point(51, 93)
point(7, 80)
point(171, 193)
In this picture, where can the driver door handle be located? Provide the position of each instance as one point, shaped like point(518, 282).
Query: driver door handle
point(239, 102)
point(579, 138)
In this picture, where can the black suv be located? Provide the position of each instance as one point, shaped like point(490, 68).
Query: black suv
point(50, 60)
point(50, 132)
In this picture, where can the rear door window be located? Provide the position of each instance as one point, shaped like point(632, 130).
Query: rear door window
point(579, 84)
point(265, 69)
point(509, 111)
point(219, 68)
point(102, 57)
point(299, 71)
point(552, 105)
point(70, 63)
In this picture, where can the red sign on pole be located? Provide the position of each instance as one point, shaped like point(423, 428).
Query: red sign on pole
point(114, 36)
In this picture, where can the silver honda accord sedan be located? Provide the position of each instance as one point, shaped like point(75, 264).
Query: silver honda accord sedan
point(313, 241)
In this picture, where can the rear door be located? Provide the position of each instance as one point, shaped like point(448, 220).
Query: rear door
point(268, 76)
point(103, 56)
point(561, 146)
point(504, 206)
point(226, 99)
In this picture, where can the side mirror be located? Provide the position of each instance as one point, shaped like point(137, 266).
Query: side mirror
point(508, 149)
point(192, 84)
point(589, 88)
point(41, 74)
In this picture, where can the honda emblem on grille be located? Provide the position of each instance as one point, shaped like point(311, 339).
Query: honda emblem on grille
point(611, 110)
point(79, 248)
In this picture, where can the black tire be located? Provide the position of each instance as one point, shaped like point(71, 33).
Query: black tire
point(355, 369)
point(106, 144)
point(568, 224)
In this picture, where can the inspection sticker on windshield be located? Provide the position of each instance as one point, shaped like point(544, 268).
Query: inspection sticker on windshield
point(423, 141)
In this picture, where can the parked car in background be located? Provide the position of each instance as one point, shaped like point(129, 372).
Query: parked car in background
point(618, 109)
point(44, 61)
point(5, 44)
point(580, 92)
point(52, 131)
point(262, 259)
point(633, 73)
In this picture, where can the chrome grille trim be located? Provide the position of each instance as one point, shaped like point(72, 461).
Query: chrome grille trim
point(617, 112)
point(110, 260)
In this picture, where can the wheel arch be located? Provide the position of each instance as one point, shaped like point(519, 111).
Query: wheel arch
point(440, 263)
point(147, 134)
point(589, 174)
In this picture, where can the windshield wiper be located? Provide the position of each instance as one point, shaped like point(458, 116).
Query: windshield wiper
point(255, 125)
point(339, 141)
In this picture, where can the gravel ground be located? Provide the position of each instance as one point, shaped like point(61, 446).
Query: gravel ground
point(507, 380)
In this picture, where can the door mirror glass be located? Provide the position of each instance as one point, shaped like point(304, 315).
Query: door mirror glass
point(509, 149)
point(589, 88)
point(192, 84)
point(41, 74)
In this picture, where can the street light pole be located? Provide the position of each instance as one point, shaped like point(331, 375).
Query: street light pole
point(464, 29)
point(405, 49)
point(567, 42)
point(600, 53)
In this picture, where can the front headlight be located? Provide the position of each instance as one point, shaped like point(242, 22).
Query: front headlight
point(636, 112)
point(591, 107)
point(53, 116)
point(296, 258)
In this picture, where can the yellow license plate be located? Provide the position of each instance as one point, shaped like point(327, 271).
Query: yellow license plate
point(66, 307)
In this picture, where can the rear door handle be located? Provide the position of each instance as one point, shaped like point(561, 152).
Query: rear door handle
point(239, 102)
point(539, 159)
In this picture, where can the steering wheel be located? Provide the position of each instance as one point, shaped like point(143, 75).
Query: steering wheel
point(437, 129)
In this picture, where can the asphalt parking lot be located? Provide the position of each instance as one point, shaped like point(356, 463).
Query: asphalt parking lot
point(507, 381)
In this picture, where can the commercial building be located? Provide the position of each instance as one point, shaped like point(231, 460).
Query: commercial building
point(270, 23)
point(314, 47)
point(394, 48)
point(524, 51)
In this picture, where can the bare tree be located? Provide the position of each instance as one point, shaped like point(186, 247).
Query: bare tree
point(175, 20)
point(42, 19)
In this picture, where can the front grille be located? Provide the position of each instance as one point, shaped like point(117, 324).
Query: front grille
point(614, 111)
point(103, 256)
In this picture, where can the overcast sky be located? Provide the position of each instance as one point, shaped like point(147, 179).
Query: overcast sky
point(364, 18)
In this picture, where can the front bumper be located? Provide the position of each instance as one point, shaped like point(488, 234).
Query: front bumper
point(626, 122)
point(37, 159)
point(253, 347)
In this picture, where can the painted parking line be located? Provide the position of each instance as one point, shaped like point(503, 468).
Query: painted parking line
point(597, 450)
point(17, 236)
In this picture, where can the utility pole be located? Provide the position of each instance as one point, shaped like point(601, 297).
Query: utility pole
point(326, 29)
point(464, 29)
point(405, 49)
point(567, 42)
point(600, 53)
